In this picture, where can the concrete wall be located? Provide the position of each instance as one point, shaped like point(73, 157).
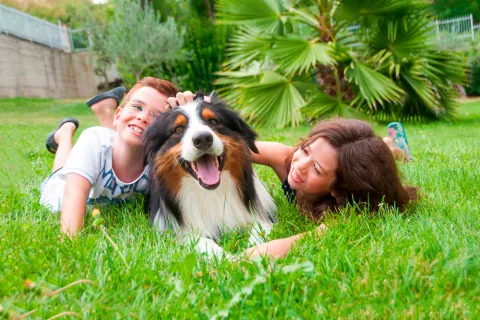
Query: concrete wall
point(33, 70)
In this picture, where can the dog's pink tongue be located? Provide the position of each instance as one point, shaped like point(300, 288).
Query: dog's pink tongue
point(207, 170)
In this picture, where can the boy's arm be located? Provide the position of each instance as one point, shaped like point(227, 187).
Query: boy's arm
point(74, 203)
point(273, 154)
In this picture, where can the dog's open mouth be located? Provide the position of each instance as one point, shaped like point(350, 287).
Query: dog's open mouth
point(206, 169)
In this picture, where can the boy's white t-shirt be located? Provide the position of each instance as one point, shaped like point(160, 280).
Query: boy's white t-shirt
point(91, 157)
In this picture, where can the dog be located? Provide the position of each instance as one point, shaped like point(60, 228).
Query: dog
point(202, 181)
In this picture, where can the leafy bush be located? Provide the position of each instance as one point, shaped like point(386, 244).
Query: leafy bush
point(204, 48)
point(473, 84)
point(137, 41)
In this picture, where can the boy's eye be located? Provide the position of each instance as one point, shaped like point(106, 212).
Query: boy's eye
point(213, 121)
point(136, 108)
point(178, 129)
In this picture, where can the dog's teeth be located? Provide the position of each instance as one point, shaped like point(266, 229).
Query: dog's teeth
point(216, 162)
point(194, 166)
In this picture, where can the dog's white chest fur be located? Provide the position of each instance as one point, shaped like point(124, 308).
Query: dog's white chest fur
point(208, 212)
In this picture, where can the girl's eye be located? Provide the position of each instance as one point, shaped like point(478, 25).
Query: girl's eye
point(179, 129)
point(305, 150)
point(213, 121)
point(138, 108)
point(316, 170)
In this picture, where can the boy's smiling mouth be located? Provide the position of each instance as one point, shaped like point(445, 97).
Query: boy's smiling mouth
point(136, 129)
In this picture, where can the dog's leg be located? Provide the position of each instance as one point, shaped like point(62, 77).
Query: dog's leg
point(210, 247)
point(260, 230)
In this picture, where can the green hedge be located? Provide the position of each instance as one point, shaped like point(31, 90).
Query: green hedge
point(473, 86)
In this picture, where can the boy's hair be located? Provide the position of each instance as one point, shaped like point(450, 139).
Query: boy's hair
point(165, 87)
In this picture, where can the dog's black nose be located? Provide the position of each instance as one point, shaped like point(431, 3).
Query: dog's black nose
point(203, 140)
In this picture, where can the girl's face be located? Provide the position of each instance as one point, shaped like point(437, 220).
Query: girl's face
point(313, 169)
point(134, 118)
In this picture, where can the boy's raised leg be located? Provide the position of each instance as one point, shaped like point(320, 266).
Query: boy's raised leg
point(105, 104)
point(105, 111)
point(64, 139)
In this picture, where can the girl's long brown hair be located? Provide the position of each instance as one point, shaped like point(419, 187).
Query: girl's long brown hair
point(366, 174)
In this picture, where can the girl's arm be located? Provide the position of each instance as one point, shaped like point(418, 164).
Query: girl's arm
point(74, 203)
point(281, 247)
point(273, 154)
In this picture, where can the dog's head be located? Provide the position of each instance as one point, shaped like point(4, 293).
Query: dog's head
point(203, 139)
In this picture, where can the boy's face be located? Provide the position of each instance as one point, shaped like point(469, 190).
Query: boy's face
point(134, 118)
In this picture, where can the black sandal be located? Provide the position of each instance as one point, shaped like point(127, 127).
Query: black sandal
point(115, 93)
point(50, 143)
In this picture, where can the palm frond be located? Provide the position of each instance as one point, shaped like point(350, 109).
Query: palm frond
point(322, 105)
point(402, 39)
point(306, 15)
point(295, 54)
point(446, 66)
point(245, 46)
point(274, 101)
point(366, 11)
point(230, 83)
point(373, 86)
point(264, 14)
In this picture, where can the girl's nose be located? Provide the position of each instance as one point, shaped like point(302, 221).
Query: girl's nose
point(303, 164)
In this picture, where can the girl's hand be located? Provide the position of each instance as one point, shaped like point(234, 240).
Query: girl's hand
point(181, 99)
point(321, 229)
point(275, 249)
point(281, 247)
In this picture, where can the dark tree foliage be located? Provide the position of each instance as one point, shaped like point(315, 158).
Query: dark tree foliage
point(454, 8)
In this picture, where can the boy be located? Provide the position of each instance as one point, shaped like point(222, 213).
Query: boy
point(104, 165)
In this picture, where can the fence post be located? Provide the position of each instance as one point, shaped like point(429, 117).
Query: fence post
point(471, 26)
point(72, 45)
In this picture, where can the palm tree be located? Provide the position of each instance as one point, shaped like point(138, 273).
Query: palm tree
point(292, 59)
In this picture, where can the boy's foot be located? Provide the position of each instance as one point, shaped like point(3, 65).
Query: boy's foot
point(116, 93)
point(67, 126)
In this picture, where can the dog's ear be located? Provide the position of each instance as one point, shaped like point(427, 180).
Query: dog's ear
point(155, 136)
point(237, 124)
point(199, 94)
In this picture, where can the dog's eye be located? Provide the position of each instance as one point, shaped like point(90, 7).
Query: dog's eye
point(213, 121)
point(179, 129)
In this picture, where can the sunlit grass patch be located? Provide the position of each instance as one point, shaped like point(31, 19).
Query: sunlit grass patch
point(423, 263)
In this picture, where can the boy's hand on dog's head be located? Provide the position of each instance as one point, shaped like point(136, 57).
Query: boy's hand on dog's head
point(181, 99)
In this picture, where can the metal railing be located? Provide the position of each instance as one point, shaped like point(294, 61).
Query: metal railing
point(460, 28)
point(25, 26)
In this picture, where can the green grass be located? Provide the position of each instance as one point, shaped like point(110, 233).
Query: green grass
point(425, 264)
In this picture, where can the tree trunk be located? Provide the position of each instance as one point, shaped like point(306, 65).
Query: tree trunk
point(209, 8)
point(325, 78)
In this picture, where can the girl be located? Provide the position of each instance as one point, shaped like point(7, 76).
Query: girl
point(341, 161)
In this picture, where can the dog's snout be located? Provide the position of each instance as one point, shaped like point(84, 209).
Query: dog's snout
point(203, 140)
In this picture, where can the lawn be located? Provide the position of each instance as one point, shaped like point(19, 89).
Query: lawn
point(422, 264)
